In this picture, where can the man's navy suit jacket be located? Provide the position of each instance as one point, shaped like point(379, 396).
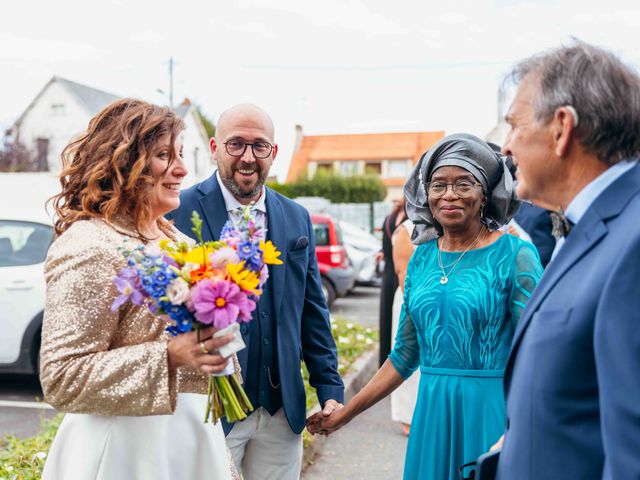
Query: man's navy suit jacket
point(302, 323)
point(572, 380)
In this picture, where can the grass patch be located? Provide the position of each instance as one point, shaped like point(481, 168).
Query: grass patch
point(352, 341)
point(23, 458)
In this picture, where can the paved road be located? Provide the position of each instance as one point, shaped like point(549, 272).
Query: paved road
point(370, 447)
point(360, 306)
point(21, 409)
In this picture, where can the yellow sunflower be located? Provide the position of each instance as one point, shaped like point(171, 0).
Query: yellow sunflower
point(199, 255)
point(270, 253)
point(245, 279)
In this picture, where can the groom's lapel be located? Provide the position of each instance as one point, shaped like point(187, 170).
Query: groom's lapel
point(214, 209)
point(278, 237)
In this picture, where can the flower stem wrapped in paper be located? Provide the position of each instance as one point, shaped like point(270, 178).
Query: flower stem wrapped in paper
point(209, 283)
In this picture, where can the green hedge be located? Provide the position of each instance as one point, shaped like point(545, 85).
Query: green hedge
point(23, 458)
point(337, 189)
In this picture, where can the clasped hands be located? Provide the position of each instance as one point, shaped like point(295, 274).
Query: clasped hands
point(328, 420)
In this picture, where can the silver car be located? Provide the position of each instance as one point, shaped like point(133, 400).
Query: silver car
point(361, 249)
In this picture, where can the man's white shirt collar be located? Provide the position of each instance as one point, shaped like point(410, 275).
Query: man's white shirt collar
point(231, 203)
point(583, 200)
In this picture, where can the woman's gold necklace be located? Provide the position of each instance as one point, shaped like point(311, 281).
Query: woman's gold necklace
point(445, 276)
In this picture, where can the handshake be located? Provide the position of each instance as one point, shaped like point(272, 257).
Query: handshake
point(328, 420)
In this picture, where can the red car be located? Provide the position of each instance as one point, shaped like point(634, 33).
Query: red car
point(338, 276)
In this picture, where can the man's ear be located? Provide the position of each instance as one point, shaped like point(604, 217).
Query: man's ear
point(275, 151)
point(213, 146)
point(562, 127)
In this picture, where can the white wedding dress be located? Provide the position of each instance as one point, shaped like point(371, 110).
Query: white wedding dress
point(155, 447)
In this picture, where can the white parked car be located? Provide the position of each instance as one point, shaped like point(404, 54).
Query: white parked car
point(361, 249)
point(25, 237)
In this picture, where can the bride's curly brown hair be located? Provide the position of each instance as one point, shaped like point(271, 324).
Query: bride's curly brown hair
point(106, 170)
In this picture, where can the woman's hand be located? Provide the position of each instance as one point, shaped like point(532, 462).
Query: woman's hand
point(185, 349)
point(327, 424)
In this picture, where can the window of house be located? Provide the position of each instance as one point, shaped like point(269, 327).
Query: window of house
point(373, 168)
point(57, 109)
point(348, 169)
point(324, 168)
point(398, 168)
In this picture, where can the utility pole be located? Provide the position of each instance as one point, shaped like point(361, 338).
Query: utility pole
point(171, 82)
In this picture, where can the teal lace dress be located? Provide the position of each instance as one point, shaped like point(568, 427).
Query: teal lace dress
point(459, 334)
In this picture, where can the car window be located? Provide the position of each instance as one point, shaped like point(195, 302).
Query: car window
point(321, 231)
point(338, 233)
point(23, 243)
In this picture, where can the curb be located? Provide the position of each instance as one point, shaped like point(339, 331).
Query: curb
point(365, 366)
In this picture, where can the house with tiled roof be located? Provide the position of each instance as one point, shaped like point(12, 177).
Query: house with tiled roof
point(390, 156)
point(62, 110)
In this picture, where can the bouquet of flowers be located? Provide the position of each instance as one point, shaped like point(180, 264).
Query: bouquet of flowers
point(195, 286)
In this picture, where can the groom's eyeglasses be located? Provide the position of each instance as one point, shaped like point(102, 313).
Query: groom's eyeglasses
point(237, 146)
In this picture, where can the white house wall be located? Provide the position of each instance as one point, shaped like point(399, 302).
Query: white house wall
point(41, 121)
point(196, 152)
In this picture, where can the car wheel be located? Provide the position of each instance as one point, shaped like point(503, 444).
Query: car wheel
point(328, 291)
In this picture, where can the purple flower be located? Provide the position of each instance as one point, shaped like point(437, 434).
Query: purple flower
point(220, 303)
point(127, 289)
point(264, 275)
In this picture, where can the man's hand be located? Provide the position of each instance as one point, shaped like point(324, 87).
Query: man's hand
point(330, 406)
point(378, 256)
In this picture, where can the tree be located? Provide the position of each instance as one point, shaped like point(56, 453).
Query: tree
point(14, 157)
point(209, 126)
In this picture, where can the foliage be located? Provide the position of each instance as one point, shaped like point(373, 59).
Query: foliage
point(14, 157)
point(352, 341)
point(23, 458)
point(337, 189)
point(209, 126)
point(282, 188)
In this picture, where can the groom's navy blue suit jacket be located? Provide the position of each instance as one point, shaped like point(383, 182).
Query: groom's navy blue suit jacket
point(300, 319)
point(573, 377)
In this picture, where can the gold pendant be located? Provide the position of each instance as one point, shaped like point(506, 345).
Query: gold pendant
point(443, 279)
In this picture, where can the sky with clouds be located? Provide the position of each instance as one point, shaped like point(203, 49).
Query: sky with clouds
point(335, 66)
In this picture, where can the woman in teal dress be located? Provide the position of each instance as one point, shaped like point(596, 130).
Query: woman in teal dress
point(464, 294)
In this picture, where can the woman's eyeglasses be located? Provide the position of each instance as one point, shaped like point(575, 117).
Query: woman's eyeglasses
point(462, 189)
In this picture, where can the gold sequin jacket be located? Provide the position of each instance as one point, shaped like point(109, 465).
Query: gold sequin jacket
point(94, 360)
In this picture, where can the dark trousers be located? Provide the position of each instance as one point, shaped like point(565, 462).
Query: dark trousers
point(387, 292)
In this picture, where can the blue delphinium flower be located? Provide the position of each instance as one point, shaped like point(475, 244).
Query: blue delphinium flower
point(251, 254)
